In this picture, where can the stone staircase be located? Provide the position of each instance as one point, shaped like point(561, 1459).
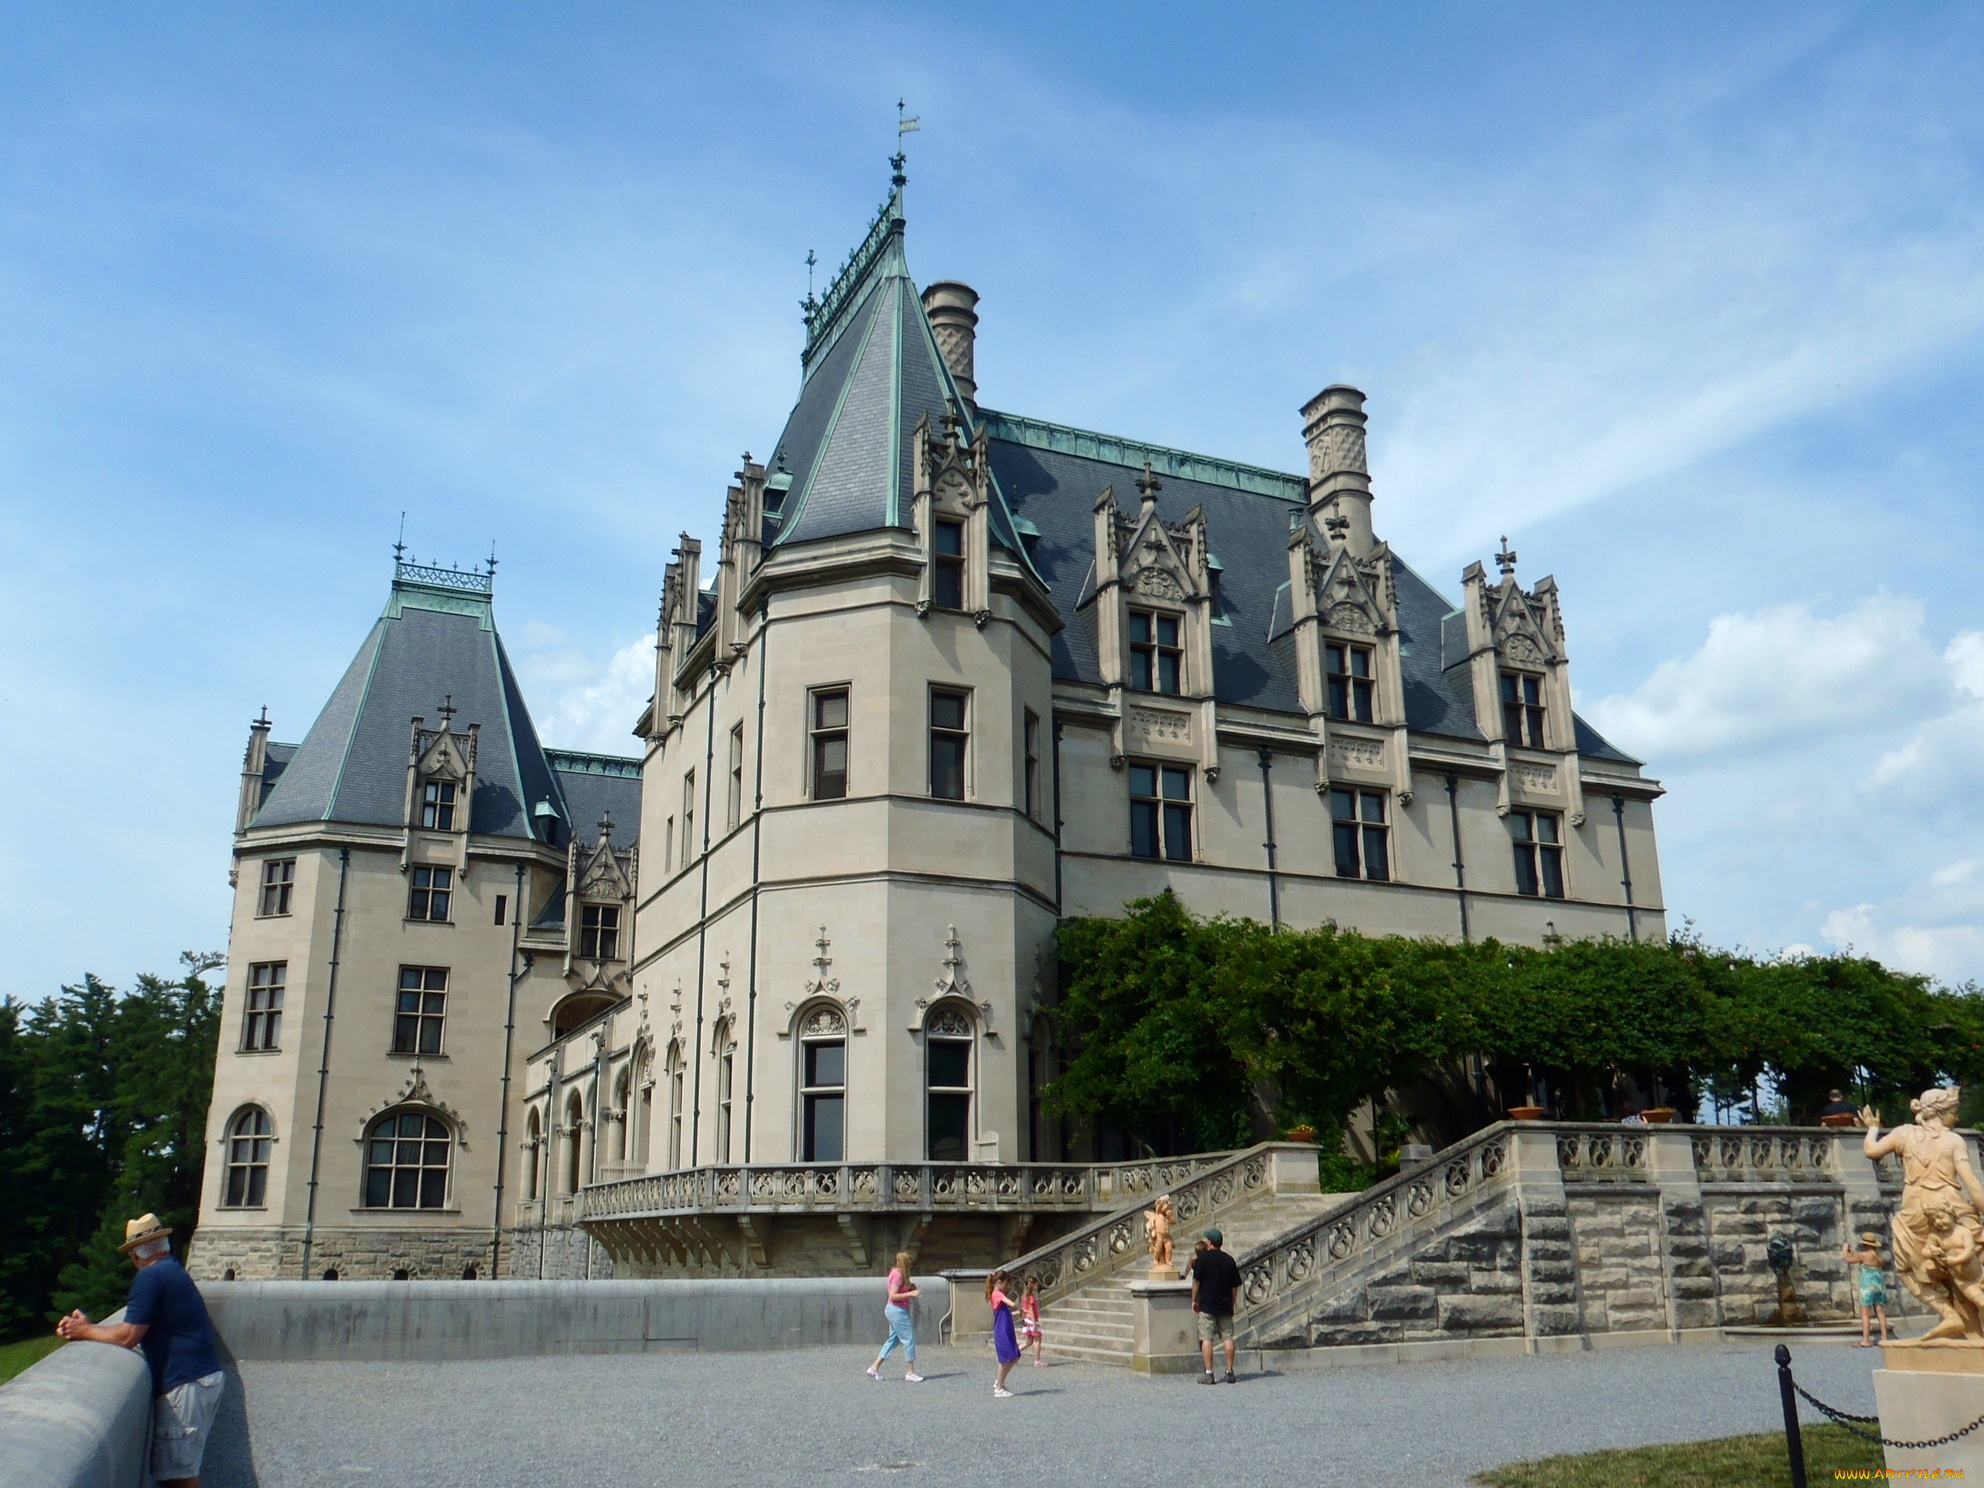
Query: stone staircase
point(1096, 1323)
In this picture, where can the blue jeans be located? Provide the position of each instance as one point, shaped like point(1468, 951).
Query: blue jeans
point(901, 1331)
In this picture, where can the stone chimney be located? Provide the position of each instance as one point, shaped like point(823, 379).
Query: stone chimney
point(1339, 478)
point(953, 311)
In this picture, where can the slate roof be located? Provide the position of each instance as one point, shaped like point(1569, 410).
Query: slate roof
point(596, 785)
point(436, 639)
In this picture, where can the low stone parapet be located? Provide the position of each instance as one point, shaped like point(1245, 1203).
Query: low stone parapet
point(81, 1418)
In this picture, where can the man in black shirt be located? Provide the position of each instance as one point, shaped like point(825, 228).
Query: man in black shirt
point(1215, 1278)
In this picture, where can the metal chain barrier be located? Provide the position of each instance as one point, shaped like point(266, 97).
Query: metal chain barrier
point(1845, 1419)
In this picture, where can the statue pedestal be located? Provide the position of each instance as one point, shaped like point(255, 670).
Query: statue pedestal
point(1167, 1330)
point(1927, 1390)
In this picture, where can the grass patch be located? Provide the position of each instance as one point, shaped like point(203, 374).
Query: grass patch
point(14, 1357)
point(1760, 1460)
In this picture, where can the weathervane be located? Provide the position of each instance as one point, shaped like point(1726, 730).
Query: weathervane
point(399, 548)
point(1506, 559)
point(904, 125)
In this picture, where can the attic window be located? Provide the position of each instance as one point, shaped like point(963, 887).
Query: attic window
point(1350, 682)
point(1522, 709)
point(1214, 572)
point(947, 583)
point(437, 805)
point(599, 932)
point(1155, 655)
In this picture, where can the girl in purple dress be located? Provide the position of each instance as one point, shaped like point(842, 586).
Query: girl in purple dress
point(1003, 1341)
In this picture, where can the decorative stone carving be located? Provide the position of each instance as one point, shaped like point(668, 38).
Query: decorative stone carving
point(1936, 1249)
point(1162, 725)
point(822, 984)
point(1350, 618)
point(1536, 777)
point(949, 1022)
point(1159, 584)
point(823, 1022)
point(1369, 753)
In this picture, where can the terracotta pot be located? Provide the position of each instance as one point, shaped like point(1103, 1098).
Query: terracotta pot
point(1525, 1113)
point(1659, 1115)
point(1301, 1134)
point(1840, 1118)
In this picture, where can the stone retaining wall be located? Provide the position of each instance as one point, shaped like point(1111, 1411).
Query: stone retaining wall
point(80, 1418)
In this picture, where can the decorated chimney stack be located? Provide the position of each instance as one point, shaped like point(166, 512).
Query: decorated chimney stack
point(953, 311)
point(1339, 479)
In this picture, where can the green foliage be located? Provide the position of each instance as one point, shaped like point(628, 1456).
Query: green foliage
point(1829, 1452)
point(103, 1109)
point(1231, 1031)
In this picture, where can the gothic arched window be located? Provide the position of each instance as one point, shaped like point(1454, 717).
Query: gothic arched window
point(674, 1106)
point(249, 1137)
point(406, 1161)
point(725, 1045)
point(822, 1085)
point(947, 1067)
point(575, 1119)
point(533, 1142)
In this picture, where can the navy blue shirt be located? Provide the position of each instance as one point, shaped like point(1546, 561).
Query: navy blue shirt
point(180, 1345)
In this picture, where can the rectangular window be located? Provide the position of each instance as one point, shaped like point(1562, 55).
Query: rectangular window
point(262, 1028)
point(1522, 709)
point(823, 1089)
point(1357, 819)
point(725, 1072)
point(830, 745)
point(1161, 812)
point(423, 1004)
point(736, 776)
point(688, 818)
point(948, 1117)
point(1156, 658)
point(1349, 669)
point(947, 582)
point(1032, 766)
point(599, 932)
point(502, 907)
point(429, 896)
point(1539, 848)
point(948, 741)
point(278, 878)
point(437, 805)
point(668, 846)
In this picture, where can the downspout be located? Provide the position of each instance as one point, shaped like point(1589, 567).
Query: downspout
point(703, 917)
point(757, 828)
point(1058, 726)
point(1460, 868)
point(324, 1063)
point(1625, 868)
point(503, 1125)
point(1267, 800)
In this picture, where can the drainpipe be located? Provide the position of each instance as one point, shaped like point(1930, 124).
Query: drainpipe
point(757, 825)
point(1267, 800)
point(703, 915)
point(1058, 726)
point(1460, 868)
point(1625, 868)
point(509, 1042)
point(324, 1063)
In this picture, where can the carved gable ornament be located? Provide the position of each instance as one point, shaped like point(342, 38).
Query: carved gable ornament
point(1519, 633)
point(1353, 595)
point(415, 1092)
point(606, 874)
point(442, 758)
point(1152, 561)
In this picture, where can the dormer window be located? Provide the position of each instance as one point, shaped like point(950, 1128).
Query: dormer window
point(1156, 658)
point(947, 582)
point(599, 932)
point(1350, 683)
point(437, 805)
point(1522, 709)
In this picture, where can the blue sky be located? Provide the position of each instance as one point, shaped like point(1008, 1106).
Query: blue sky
point(1688, 300)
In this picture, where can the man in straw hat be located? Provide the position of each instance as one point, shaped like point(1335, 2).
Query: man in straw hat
point(167, 1319)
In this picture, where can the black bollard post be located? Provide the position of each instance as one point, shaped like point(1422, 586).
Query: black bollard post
point(1793, 1442)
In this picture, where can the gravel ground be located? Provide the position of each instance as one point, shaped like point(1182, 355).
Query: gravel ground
point(811, 1416)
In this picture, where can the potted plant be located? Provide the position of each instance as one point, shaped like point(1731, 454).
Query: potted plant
point(1302, 1133)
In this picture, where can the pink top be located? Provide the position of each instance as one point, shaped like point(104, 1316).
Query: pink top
point(1000, 1299)
point(898, 1286)
point(1030, 1310)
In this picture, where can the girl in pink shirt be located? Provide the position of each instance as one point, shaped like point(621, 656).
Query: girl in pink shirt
point(902, 1327)
point(1030, 1320)
point(1003, 1342)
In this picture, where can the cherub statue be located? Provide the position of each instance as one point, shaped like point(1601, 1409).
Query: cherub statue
point(1158, 1220)
point(1936, 1176)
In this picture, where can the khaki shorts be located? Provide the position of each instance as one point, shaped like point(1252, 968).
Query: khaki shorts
point(181, 1419)
point(1213, 1327)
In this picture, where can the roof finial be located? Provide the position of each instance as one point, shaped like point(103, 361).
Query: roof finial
point(605, 826)
point(399, 548)
point(904, 125)
point(448, 710)
point(492, 558)
point(1506, 559)
point(1148, 485)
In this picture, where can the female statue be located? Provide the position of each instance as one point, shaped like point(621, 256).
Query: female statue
point(1940, 1192)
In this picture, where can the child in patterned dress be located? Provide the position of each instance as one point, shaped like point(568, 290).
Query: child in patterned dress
point(1873, 1281)
point(1030, 1321)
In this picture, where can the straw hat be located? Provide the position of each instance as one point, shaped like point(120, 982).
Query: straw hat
point(138, 1231)
point(1870, 1237)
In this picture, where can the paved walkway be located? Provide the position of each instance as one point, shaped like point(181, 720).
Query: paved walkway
point(812, 1417)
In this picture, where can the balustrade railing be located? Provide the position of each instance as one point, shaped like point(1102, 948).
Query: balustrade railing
point(1115, 1242)
point(1759, 1155)
point(1606, 1155)
point(870, 1187)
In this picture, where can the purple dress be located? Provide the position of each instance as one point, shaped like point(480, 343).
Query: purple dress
point(1008, 1347)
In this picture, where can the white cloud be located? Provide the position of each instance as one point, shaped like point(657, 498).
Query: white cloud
point(596, 707)
point(1951, 952)
point(1783, 674)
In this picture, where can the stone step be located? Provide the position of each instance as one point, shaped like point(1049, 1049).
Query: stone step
point(1087, 1353)
point(1123, 1333)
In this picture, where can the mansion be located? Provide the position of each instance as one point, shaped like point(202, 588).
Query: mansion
point(949, 675)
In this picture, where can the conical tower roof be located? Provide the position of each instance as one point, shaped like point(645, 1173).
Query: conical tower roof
point(873, 371)
point(436, 640)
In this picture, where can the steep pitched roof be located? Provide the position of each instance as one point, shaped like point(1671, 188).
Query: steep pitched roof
point(1052, 475)
point(436, 639)
point(597, 785)
point(872, 371)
